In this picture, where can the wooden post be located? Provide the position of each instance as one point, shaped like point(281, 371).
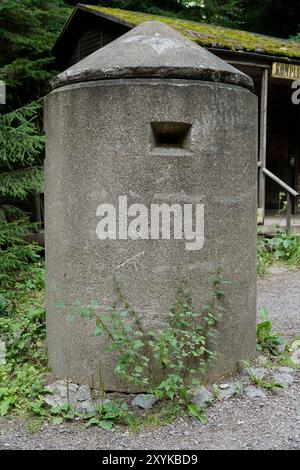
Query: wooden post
point(288, 212)
point(263, 140)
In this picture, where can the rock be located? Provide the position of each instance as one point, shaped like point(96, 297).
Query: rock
point(77, 395)
point(146, 402)
point(224, 386)
point(286, 370)
point(201, 397)
point(283, 379)
point(2, 353)
point(278, 391)
point(89, 406)
point(258, 372)
point(227, 393)
point(296, 357)
point(295, 348)
point(254, 392)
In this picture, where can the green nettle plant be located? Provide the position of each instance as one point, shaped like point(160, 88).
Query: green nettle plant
point(264, 257)
point(283, 248)
point(286, 248)
point(166, 362)
point(266, 339)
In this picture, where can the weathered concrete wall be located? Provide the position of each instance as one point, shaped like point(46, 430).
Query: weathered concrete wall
point(99, 147)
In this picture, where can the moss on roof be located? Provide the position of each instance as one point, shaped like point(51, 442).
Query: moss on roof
point(210, 35)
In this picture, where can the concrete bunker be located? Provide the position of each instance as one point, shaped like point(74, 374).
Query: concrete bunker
point(154, 119)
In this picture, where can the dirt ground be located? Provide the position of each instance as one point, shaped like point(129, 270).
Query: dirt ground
point(238, 423)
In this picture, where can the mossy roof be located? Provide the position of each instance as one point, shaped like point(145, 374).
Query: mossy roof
point(208, 35)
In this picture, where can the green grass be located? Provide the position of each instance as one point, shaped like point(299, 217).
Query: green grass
point(22, 327)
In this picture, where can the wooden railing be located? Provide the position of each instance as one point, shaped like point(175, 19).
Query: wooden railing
point(291, 193)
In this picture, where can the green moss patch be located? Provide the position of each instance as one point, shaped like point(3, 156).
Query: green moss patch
point(210, 35)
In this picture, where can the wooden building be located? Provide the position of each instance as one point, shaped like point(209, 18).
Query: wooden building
point(273, 63)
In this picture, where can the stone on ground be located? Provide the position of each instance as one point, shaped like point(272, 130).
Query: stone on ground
point(201, 397)
point(295, 348)
point(77, 395)
point(258, 372)
point(224, 386)
point(286, 370)
point(283, 379)
point(146, 402)
point(227, 393)
point(254, 392)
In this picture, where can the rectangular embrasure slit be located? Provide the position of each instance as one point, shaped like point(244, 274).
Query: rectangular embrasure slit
point(170, 138)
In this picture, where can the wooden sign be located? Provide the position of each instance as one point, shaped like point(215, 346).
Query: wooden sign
point(286, 71)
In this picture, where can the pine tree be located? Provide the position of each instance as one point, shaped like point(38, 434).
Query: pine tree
point(28, 30)
point(277, 18)
point(21, 151)
point(21, 175)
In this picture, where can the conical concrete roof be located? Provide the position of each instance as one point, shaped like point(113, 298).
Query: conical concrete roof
point(152, 50)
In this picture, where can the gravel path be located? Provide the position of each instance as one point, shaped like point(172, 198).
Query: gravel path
point(239, 423)
point(280, 293)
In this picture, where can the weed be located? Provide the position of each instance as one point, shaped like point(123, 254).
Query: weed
point(168, 361)
point(283, 248)
point(165, 413)
point(20, 388)
point(65, 412)
point(265, 257)
point(238, 387)
point(108, 413)
point(260, 382)
point(34, 425)
point(22, 326)
point(216, 390)
point(16, 255)
point(266, 339)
